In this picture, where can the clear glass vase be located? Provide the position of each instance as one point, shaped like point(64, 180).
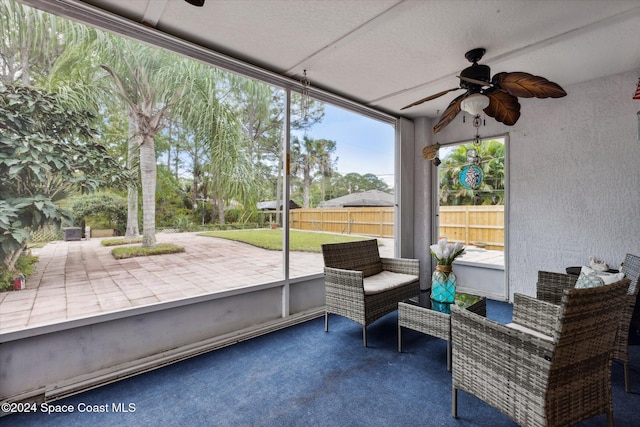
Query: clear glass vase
point(443, 284)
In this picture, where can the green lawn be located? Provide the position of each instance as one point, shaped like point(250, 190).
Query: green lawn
point(117, 241)
point(134, 251)
point(305, 241)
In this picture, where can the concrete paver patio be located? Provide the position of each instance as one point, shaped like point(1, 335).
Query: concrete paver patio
point(76, 279)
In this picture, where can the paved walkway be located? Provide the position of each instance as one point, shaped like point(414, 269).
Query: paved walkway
point(79, 279)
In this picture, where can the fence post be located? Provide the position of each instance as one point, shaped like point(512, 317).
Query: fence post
point(466, 225)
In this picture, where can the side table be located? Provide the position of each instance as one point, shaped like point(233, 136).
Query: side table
point(433, 318)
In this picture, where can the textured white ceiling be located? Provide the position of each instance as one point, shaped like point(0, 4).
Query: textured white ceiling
point(389, 53)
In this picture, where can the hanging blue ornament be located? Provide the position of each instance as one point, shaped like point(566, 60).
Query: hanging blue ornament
point(471, 176)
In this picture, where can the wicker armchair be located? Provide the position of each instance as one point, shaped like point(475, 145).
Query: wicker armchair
point(550, 286)
point(363, 287)
point(553, 371)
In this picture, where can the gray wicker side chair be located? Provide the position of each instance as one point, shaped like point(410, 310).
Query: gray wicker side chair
point(551, 371)
point(362, 286)
point(550, 286)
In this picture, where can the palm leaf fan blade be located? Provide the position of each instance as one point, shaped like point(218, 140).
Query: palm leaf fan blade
point(503, 107)
point(429, 98)
point(525, 85)
point(449, 114)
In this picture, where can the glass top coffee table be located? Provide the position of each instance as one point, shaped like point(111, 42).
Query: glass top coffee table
point(433, 318)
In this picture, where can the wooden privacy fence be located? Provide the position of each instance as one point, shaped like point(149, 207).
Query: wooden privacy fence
point(376, 221)
point(481, 226)
point(472, 225)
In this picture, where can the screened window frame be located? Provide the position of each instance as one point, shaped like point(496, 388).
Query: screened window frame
point(104, 20)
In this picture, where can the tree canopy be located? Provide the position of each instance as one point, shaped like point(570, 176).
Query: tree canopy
point(46, 152)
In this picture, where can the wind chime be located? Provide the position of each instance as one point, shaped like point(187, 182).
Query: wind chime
point(471, 175)
point(305, 99)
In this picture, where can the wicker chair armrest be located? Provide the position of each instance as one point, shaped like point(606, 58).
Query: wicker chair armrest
point(550, 285)
point(626, 311)
point(401, 265)
point(488, 355)
point(541, 316)
point(344, 278)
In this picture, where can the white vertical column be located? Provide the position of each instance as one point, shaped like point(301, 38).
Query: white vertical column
point(286, 194)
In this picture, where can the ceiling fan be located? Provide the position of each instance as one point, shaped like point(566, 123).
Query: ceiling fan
point(497, 96)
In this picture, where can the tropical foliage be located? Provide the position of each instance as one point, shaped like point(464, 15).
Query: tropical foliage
point(187, 139)
point(491, 189)
point(46, 152)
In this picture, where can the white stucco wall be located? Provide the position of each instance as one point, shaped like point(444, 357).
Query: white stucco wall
point(574, 182)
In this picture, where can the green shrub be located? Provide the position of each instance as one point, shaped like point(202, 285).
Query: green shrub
point(232, 215)
point(183, 222)
point(25, 265)
point(100, 210)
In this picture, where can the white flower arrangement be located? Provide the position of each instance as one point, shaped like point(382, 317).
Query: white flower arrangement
point(445, 252)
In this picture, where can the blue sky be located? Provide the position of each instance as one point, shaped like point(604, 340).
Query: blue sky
point(364, 145)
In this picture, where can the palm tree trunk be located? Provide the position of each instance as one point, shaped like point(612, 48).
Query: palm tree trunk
point(133, 230)
point(220, 203)
point(148, 175)
point(132, 213)
point(306, 183)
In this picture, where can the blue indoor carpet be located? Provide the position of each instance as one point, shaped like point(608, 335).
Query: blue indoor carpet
point(303, 376)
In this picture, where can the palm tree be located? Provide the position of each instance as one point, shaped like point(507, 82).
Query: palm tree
point(144, 78)
point(156, 88)
point(325, 163)
point(310, 155)
point(28, 44)
point(228, 172)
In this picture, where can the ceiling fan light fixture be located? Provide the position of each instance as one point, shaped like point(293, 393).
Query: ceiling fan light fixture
point(475, 103)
